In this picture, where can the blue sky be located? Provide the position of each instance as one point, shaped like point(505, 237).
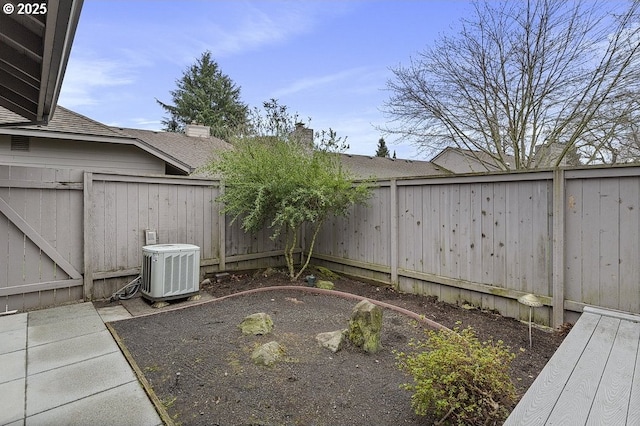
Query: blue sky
point(327, 60)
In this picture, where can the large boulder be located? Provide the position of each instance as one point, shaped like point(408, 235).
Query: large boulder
point(257, 324)
point(365, 326)
point(332, 340)
point(267, 354)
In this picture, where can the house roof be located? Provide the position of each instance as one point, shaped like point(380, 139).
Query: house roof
point(70, 125)
point(64, 122)
point(479, 157)
point(192, 151)
point(34, 50)
point(188, 153)
point(363, 166)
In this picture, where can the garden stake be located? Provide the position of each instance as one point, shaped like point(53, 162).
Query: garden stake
point(531, 301)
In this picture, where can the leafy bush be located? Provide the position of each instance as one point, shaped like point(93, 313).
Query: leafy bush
point(458, 378)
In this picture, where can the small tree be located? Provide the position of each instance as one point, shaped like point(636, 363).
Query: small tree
point(274, 179)
point(382, 151)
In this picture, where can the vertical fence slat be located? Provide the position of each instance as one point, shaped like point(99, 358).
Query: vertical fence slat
point(393, 211)
point(558, 247)
point(88, 233)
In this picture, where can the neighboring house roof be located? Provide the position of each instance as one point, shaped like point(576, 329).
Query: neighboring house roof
point(192, 151)
point(363, 166)
point(188, 153)
point(70, 125)
point(459, 160)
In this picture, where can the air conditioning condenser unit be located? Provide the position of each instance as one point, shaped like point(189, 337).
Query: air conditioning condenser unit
point(170, 271)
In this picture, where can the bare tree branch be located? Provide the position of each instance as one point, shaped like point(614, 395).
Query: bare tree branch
point(523, 75)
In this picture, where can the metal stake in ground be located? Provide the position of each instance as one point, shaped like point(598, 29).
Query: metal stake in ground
point(531, 301)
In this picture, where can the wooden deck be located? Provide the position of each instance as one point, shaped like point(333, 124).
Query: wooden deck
point(592, 379)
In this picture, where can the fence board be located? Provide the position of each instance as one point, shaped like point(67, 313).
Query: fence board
point(5, 243)
point(134, 233)
point(47, 208)
point(608, 248)
point(487, 234)
point(629, 244)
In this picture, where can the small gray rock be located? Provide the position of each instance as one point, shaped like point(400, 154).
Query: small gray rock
point(332, 340)
point(267, 354)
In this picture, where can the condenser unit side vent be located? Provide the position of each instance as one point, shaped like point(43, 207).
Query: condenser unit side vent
point(170, 271)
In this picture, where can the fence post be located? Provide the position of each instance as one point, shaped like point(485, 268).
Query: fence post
point(393, 211)
point(558, 247)
point(87, 220)
point(222, 232)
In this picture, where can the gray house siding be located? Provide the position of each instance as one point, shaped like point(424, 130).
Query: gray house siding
point(89, 156)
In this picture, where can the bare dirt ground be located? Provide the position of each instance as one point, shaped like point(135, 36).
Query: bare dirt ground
point(198, 361)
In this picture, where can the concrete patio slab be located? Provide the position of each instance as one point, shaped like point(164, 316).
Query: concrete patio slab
point(62, 366)
point(76, 381)
point(62, 327)
point(12, 401)
point(66, 352)
point(12, 366)
point(13, 340)
point(123, 405)
point(114, 313)
point(13, 322)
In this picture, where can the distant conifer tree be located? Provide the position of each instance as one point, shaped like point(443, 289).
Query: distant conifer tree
point(205, 95)
point(382, 151)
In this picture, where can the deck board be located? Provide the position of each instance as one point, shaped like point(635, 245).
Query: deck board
point(574, 403)
point(593, 378)
point(633, 416)
point(615, 385)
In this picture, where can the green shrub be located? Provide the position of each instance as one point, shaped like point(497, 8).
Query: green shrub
point(458, 378)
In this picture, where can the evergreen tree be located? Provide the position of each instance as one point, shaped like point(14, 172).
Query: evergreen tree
point(382, 151)
point(205, 95)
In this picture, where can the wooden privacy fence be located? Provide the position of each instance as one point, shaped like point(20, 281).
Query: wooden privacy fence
point(119, 208)
point(66, 235)
point(570, 236)
point(40, 237)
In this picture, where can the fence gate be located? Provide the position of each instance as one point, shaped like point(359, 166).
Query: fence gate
point(41, 259)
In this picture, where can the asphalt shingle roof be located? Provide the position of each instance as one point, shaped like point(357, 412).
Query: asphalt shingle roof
point(63, 121)
point(364, 167)
point(192, 151)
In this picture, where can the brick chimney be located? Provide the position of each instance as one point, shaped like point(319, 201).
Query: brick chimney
point(197, 130)
point(304, 134)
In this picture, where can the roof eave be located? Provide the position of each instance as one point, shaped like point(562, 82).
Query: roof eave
point(36, 52)
point(58, 39)
point(41, 133)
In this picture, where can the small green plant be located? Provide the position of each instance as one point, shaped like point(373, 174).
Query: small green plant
point(458, 378)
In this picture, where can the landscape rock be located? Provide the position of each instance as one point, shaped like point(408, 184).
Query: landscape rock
point(267, 354)
point(365, 326)
point(327, 285)
point(327, 273)
point(332, 340)
point(257, 324)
